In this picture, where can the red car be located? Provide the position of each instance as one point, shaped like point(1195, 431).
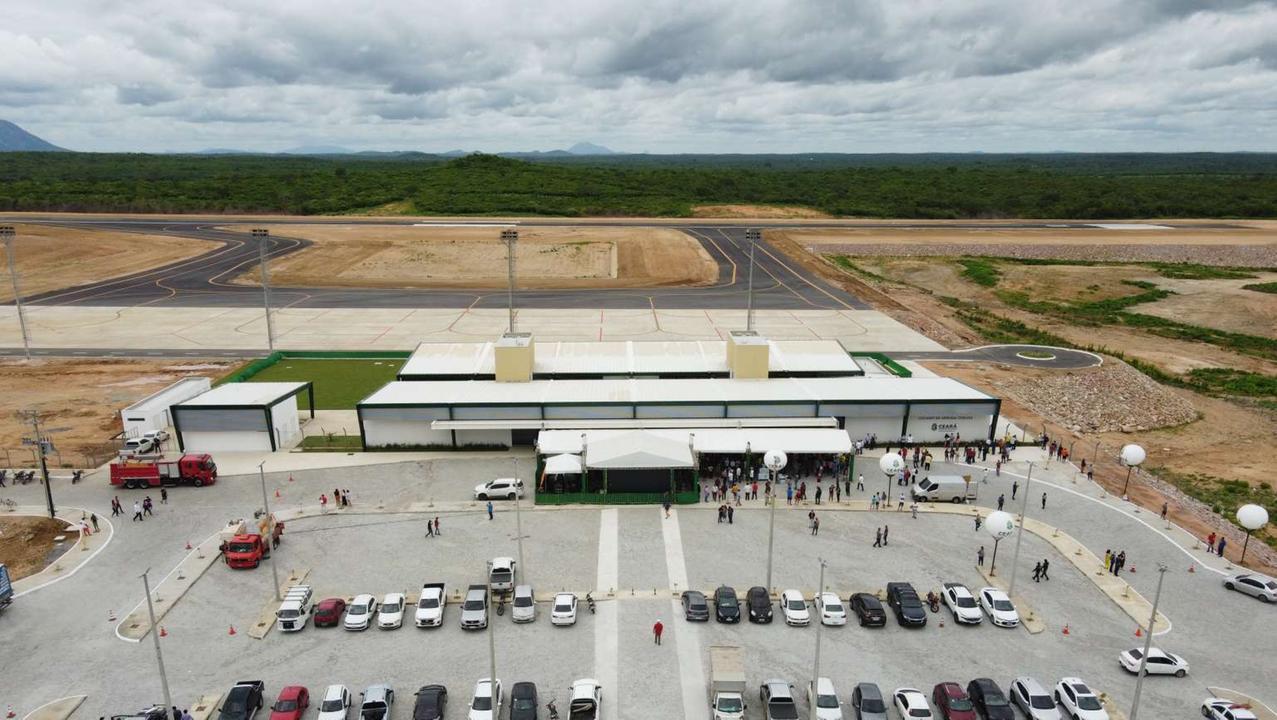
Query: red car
point(292, 703)
point(329, 611)
point(952, 701)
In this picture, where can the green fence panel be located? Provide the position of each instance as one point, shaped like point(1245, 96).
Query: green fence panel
point(886, 362)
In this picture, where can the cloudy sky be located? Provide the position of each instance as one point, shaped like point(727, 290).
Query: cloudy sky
point(644, 75)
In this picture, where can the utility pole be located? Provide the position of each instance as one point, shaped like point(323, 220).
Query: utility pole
point(518, 518)
point(6, 234)
point(1148, 642)
point(270, 535)
point(263, 239)
point(815, 670)
point(752, 236)
point(510, 237)
point(159, 656)
point(42, 446)
point(492, 649)
point(1019, 532)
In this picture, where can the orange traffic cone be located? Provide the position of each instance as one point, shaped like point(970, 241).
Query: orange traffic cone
point(290, 477)
point(1139, 632)
point(1065, 631)
point(188, 544)
point(163, 632)
point(232, 631)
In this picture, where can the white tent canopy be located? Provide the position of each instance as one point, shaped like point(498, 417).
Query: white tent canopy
point(638, 449)
point(563, 464)
point(820, 441)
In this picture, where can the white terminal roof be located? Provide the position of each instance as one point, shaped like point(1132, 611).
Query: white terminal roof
point(251, 394)
point(706, 440)
point(628, 358)
point(684, 391)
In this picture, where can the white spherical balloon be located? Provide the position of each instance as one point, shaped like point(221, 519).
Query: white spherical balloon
point(775, 460)
point(999, 524)
point(1133, 455)
point(891, 464)
point(1252, 517)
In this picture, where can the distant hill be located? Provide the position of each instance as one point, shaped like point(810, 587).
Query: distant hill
point(585, 148)
point(15, 139)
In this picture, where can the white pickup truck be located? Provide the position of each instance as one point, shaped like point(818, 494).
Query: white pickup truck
point(430, 605)
point(295, 610)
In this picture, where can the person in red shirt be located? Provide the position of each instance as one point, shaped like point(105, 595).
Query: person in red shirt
point(657, 629)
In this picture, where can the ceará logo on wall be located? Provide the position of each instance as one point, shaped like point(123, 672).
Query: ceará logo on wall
point(943, 426)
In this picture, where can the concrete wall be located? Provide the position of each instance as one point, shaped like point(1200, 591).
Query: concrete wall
point(152, 413)
point(379, 433)
point(286, 424)
point(225, 441)
point(483, 437)
point(929, 423)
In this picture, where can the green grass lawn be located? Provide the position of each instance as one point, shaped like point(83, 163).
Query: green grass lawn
point(339, 384)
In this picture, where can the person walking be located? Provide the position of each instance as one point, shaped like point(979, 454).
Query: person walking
point(148, 505)
point(1164, 508)
point(1046, 565)
point(731, 513)
point(722, 514)
point(1015, 487)
point(1001, 500)
point(818, 493)
point(1037, 572)
point(94, 517)
point(860, 481)
point(1043, 501)
point(1108, 560)
point(885, 530)
point(657, 629)
point(1222, 543)
point(913, 510)
point(815, 526)
point(430, 528)
point(878, 538)
point(666, 505)
point(901, 505)
point(323, 504)
point(789, 493)
point(116, 510)
point(137, 511)
point(1210, 543)
point(979, 556)
point(489, 509)
point(1118, 561)
point(437, 525)
point(978, 523)
point(164, 501)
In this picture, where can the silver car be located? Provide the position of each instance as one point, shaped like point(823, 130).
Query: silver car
point(1253, 584)
point(524, 605)
point(1033, 699)
point(867, 702)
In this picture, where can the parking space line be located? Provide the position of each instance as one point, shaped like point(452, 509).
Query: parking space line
point(606, 623)
point(687, 638)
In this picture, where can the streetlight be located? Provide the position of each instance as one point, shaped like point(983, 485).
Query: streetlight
point(518, 517)
point(1000, 525)
point(492, 648)
point(1251, 517)
point(159, 656)
point(1148, 640)
point(775, 460)
point(891, 465)
point(752, 237)
point(270, 531)
point(815, 670)
point(262, 235)
point(1132, 455)
point(1019, 534)
point(510, 237)
point(6, 234)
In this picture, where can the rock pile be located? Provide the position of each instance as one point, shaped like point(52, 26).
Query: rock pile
point(1108, 398)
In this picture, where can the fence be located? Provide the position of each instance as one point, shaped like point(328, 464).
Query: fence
point(891, 365)
point(245, 373)
point(25, 458)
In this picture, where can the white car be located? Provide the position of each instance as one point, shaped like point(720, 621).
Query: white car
point(962, 604)
point(1260, 586)
point(826, 701)
point(832, 611)
point(524, 605)
point(390, 614)
point(1078, 700)
point(563, 612)
point(360, 611)
point(998, 607)
point(486, 703)
point(1223, 709)
point(1159, 662)
point(500, 489)
point(912, 704)
point(139, 445)
point(587, 699)
point(336, 703)
point(157, 437)
point(795, 608)
point(430, 605)
point(1034, 701)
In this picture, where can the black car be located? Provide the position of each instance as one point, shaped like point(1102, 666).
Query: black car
point(155, 712)
point(243, 701)
point(868, 609)
point(904, 600)
point(760, 604)
point(432, 700)
point(867, 702)
point(726, 606)
point(694, 606)
point(989, 701)
point(523, 701)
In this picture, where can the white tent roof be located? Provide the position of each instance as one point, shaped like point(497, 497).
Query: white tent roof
point(637, 449)
point(822, 441)
point(565, 463)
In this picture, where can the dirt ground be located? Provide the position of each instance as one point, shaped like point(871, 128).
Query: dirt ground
point(1243, 232)
point(761, 212)
point(440, 256)
point(50, 258)
point(80, 402)
point(1220, 304)
point(26, 542)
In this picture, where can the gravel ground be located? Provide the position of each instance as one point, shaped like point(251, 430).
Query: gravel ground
point(1259, 256)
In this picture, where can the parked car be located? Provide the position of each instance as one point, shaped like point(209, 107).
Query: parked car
point(1078, 701)
point(501, 573)
point(486, 702)
point(778, 700)
point(1224, 709)
point(291, 703)
point(430, 605)
point(826, 702)
point(140, 446)
point(379, 700)
point(962, 604)
point(474, 611)
point(795, 608)
point(360, 611)
point(831, 609)
point(695, 607)
point(952, 702)
point(336, 703)
point(867, 702)
point(563, 611)
point(868, 610)
point(998, 607)
point(587, 700)
point(912, 704)
point(390, 613)
point(904, 600)
point(243, 701)
point(726, 606)
point(989, 700)
point(1159, 662)
point(432, 701)
point(760, 604)
point(1034, 701)
point(499, 489)
point(329, 611)
point(523, 609)
point(523, 701)
point(1253, 584)
point(154, 712)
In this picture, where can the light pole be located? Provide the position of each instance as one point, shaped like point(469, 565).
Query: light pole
point(518, 517)
point(891, 465)
point(774, 460)
point(492, 649)
point(510, 237)
point(270, 535)
point(6, 234)
point(1148, 642)
point(752, 237)
point(1132, 456)
point(159, 656)
point(999, 525)
point(1019, 533)
point(263, 239)
point(815, 670)
point(1251, 517)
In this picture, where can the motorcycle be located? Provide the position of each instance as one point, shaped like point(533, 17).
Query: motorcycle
point(501, 604)
point(589, 601)
point(933, 601)
point(552, 709)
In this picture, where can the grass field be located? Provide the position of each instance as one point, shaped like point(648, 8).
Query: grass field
point(339, 384)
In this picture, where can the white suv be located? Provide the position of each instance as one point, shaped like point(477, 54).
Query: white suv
point(962, 604)
point(499, 489)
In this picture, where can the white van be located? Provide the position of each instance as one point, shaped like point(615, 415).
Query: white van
point(945, 488)
point(295, 610)
point(501, 576)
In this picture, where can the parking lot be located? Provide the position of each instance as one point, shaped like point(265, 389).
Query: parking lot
point(634, 560)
